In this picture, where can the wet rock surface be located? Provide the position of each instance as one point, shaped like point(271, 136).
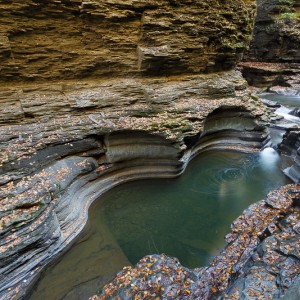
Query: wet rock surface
point(270, 103)
point(291, 146)
point(295, 112)
point(261, 260)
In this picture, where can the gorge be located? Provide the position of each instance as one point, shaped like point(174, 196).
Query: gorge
point(98, 93)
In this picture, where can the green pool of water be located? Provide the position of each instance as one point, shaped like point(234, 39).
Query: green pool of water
point(185, 217)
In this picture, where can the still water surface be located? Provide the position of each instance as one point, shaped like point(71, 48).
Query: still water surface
point(185, 217)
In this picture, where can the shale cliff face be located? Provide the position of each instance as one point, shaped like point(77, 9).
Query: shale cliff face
point(277, 31)
point(95, 93)
point(274, 54)
point(74, 39)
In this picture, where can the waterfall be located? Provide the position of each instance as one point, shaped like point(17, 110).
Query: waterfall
point(269, 158)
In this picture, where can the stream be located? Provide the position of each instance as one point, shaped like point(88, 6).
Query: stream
point(186, 217)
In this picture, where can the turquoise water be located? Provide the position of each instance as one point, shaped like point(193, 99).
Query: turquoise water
point(185, 217)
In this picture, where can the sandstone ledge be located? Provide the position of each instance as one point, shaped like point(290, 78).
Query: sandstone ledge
point(266, 75)
point(174, 108)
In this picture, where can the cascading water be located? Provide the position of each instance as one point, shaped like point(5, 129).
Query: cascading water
point(269, 159)
point(285, 112)
point(288, 104)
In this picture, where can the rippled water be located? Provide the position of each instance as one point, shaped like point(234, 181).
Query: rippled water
point(185, 217)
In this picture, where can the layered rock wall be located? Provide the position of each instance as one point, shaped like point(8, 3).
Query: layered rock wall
point(274, 54)
point(42, 40)
point(276, 32)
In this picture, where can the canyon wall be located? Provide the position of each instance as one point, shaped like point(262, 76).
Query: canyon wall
point(274, 54)
point(276, 33)
point(95, 93)
point(70, 39)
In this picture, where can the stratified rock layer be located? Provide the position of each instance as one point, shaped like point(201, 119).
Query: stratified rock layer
point(53, 169)
point(274, 54)
point(80, 38)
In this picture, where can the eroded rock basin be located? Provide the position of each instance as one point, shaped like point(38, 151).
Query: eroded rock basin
point(185, 217)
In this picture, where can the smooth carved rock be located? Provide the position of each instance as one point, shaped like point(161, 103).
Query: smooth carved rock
point(74, 39)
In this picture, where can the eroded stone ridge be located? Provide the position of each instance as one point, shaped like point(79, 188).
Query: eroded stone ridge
point(261, 260)
point(67, 39)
